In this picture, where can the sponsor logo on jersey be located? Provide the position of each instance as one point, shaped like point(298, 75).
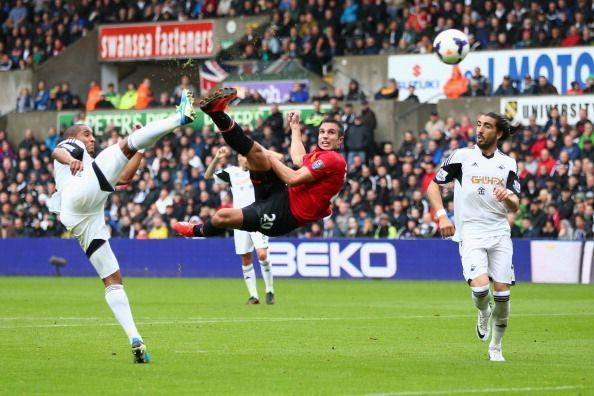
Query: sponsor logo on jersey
point(487, 180)
point(317, 165)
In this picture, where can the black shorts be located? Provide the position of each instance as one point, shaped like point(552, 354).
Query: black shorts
point(271, 216)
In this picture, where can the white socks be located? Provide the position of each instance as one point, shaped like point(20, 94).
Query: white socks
point(500, 317)
point(118, 302)
point(149, 134)
point(249, 275)
point(266, 269)
point(481, 297)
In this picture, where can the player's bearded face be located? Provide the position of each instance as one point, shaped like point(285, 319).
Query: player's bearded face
point(486, 133)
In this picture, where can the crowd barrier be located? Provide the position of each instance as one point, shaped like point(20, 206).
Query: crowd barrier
point(534, 261)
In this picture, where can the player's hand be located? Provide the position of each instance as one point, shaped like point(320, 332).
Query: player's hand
point(222, 152)
point(76, 166)
point(293, 118)
point(446, 227)
point(500, 194)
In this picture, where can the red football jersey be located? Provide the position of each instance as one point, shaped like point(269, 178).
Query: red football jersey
point(311, 201)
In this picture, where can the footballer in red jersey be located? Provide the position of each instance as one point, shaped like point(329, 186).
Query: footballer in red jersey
point(285, 199)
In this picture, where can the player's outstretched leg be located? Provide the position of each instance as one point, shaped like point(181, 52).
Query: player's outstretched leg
point(214, 106)
point(148, 135)
point(500, 319)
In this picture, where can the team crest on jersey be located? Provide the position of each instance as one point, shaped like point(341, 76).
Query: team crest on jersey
point(317, 165)
point(517, 186)
point(441, 175)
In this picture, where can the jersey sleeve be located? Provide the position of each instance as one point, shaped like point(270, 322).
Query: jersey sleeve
point(451, 169)
point(326, 163)
point(74, 149)
point(513, 181)
point(222, 177)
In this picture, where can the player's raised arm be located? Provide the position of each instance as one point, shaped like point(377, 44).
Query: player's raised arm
point(63, 155)
point(289, 176)
point(297, 149)
point(210, 170)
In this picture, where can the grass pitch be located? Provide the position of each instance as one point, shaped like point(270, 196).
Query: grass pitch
point(57, 336)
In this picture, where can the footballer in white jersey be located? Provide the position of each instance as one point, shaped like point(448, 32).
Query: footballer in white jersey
point(486, 187)
point(242, 188)
point(83, 185)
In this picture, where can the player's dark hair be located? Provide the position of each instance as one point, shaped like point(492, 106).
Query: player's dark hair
point(501, 124)
point(72, 131)
point(338, 125)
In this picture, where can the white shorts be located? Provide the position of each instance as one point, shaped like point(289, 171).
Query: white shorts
point(246, 241)
point(491, 256)
point(83, 202)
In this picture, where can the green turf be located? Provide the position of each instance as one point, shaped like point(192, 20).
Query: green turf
point(57, 336)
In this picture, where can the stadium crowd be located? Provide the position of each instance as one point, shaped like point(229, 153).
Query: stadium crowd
point(315, 31)
point(33, 31)
point(383, 198)
point(312, 30)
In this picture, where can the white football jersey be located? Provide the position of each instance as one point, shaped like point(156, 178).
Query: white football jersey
point(477, 214)
point(241, 185)
point(62, 174)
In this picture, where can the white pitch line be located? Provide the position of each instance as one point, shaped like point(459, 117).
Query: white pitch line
point(252, 320)
point(483, 390)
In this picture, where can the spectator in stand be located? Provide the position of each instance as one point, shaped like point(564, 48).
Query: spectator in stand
point(587, 135)
point(546, 163)
point(103, 103)
point(24, 101)
point(41, 101)
point(17, 16)
point(530, 87)
point(434, 123)
point(323, 95)
point(144, 95)
point(481, 80)
point(185, 83)
point(357, 141)
point(52, 138)
point(589, 84)
point(506, 88)
point(456, 85)
point(112, 96)
point(475, 90)
point(575, 89)
point(65, 96)
point(299, 93)
point(389, 92)
point(93, 96)
point(385, 229)
point(128, 99)
point(411, 95)
point(370, 120)
point(573, 37)
point(354, 92)
point(545, 87)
